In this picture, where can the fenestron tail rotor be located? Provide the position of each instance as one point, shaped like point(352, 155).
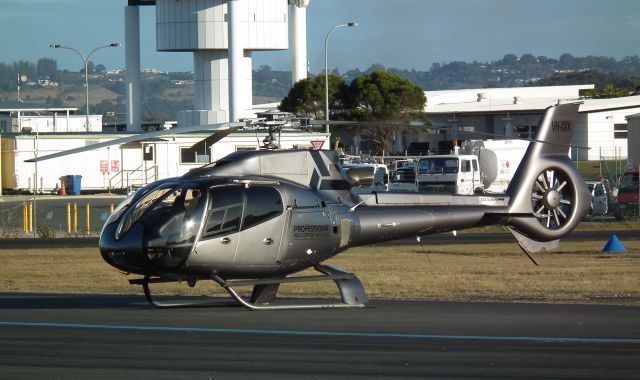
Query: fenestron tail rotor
point(552, 198)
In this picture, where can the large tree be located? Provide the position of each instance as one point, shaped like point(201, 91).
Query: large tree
point(384, 97)
point(47, 68)
point(379, 97)
point(307, 97)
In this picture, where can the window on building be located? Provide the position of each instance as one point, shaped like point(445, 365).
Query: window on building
point(526, 131)
point(190, 157)
point(620, 131)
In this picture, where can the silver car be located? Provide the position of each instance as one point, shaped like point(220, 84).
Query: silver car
point(599, 201)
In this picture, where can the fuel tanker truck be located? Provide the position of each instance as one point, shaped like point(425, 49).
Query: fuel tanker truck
point(477, 166)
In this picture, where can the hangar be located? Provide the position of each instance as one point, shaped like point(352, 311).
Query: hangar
point(602, 123)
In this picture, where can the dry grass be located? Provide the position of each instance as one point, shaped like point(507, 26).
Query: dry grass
point(575, 273)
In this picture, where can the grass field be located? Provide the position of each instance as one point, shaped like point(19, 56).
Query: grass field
point(575, 273)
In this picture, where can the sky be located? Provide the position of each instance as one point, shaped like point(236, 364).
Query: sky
point(406, 34)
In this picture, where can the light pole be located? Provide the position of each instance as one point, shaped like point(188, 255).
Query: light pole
point(85, 60)
point(326, 68)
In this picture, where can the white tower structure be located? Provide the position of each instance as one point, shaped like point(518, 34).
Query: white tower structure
point(221, 52)
point(298, 35)
point(132, 67)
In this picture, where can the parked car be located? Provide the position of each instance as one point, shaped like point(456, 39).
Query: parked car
point(600, 199)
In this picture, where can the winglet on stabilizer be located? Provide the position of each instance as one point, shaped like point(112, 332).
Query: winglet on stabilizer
point(530, 246)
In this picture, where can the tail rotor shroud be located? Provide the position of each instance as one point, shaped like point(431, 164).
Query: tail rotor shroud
point(553, 198)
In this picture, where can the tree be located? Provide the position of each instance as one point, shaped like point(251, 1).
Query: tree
point(306, 97)
point(528, 59)
point(380, 97)
point(612, 92)
point(566, 61)
point(384, 97)
point(46, 68)
point(100, 69)
point(510, 60)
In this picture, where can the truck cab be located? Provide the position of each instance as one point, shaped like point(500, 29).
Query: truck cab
point(628, 194)
point(449, 174)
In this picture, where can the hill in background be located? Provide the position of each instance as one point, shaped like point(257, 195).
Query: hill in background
point(164, 94)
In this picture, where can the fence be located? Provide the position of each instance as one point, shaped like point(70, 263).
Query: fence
point(47, 218)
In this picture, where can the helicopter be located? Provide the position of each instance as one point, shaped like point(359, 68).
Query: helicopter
point(258, 218)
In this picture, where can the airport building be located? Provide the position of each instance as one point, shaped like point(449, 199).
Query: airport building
point(125, 166)
point(31, 130)
point(601, 124)
point(511, 112)
point(633, 138)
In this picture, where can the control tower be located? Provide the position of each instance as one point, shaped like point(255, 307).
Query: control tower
point(221, 35)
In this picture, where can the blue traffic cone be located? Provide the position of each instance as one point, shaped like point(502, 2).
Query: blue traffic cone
point(614, 245)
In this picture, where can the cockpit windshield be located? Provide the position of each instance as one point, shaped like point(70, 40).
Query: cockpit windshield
point(139, 208)
point(172, 225)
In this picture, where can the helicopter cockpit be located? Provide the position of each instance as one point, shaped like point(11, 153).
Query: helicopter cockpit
point(172, 223)
point(167, 217)
point(161, 229)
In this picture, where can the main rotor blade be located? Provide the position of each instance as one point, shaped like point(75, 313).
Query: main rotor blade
point(212, 139)
point(366, 123)
point(349, 123)
point(138, 137)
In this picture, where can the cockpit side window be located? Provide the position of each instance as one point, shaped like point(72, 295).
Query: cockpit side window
point(225, 212)
point(234, 208)
point(263, 203)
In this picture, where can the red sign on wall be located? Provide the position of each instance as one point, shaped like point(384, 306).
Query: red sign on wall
point(115, 166)
point(104, 166)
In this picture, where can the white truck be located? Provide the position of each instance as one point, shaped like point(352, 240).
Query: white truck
point(483, 166)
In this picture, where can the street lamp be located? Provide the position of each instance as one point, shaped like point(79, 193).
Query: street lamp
point(326, 68)
point(86, 69)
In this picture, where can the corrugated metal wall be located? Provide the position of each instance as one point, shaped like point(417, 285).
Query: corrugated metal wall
point(633, 138)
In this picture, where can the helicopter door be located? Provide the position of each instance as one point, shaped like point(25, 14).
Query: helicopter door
point(262, 227)
point(219, 239)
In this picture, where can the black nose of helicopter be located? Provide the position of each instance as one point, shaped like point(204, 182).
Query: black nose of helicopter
point(154, 231)
point(127, 253)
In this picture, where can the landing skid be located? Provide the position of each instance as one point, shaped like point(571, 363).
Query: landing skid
point(265, 291)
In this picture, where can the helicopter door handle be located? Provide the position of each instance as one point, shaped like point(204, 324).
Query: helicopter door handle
point(267, 241)
point(225, 240)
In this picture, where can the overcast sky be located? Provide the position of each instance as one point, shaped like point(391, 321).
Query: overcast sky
point(396, 33)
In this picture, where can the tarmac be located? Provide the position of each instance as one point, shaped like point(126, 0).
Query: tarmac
point(96, 336)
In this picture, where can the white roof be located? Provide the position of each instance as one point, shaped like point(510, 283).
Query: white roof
point(487, 100)
point(591, 105)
